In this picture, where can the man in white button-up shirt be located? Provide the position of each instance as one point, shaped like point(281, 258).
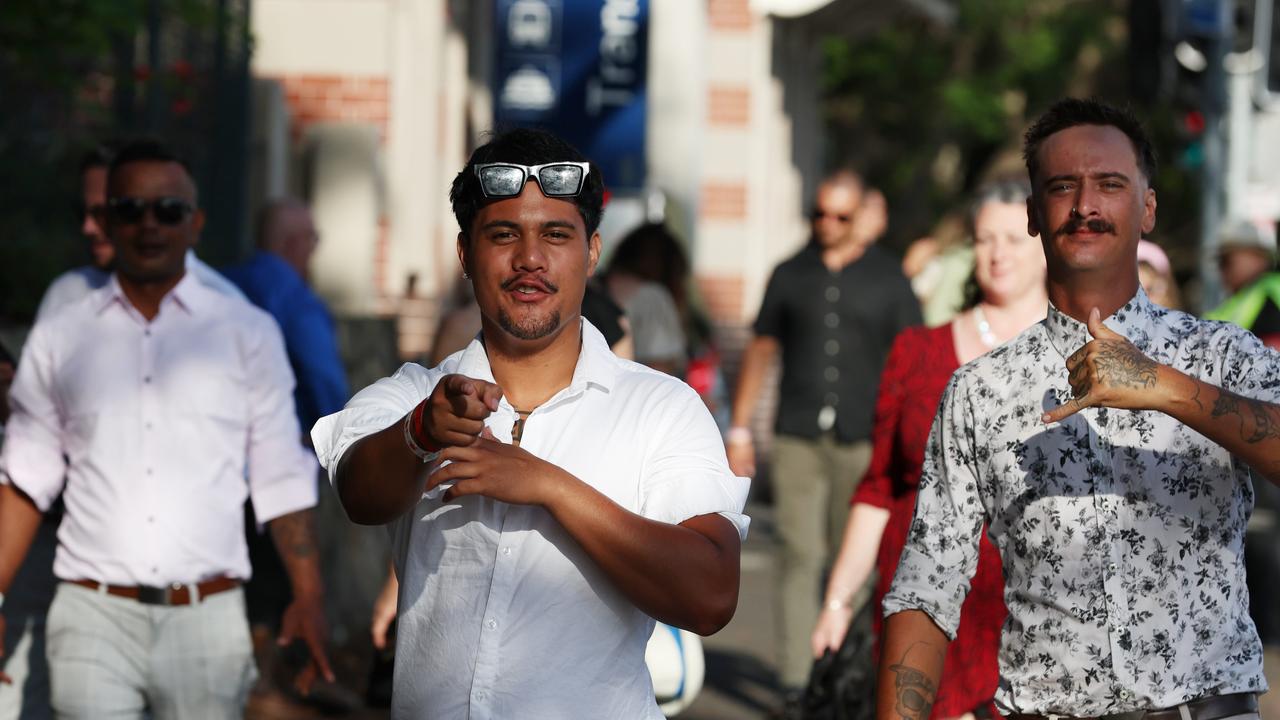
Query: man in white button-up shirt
point(1113, 461)
point(144, 405)
point(574, 497)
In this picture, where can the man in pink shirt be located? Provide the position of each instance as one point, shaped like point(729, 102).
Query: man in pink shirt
point(146, 404)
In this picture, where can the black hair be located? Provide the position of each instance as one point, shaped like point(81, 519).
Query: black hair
point(653, 253)
point(525, 147)
point(1070, 112)
point(148, 150)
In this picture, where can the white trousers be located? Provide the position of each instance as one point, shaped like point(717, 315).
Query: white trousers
point(112, 657)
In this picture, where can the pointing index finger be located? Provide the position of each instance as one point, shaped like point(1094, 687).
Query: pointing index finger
point(1065, 410)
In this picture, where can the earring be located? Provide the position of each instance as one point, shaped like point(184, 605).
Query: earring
point(465, 276)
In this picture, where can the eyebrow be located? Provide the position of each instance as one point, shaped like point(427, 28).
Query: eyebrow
point(1094, 176)
point(512, 225)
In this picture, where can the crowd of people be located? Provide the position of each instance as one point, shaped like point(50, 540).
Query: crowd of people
point(1036, 506)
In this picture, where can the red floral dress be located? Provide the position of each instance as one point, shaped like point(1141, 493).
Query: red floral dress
point(911, 386)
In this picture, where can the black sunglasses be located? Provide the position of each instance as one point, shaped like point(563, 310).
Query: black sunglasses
point(558, 179)
point(816, 215)
point(166, 210)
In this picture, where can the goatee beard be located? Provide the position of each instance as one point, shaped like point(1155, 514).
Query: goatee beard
point(533, 328)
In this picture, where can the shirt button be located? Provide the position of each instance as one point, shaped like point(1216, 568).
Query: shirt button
point(831, 374)
point(832, 347)
point(146, 379)
point(479, 694)
point(1111, 567)
point(148, 471)
point(151, 518)
point(832, 294)
point(506, 551)
point(493, 624)
point(832, 399)
point(147, 425)
point(832, 320)
point(1124, 694)
point(155, 570)
point(147, 332)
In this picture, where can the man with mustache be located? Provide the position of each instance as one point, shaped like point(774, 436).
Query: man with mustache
point(545, 499)
point(1112, 450)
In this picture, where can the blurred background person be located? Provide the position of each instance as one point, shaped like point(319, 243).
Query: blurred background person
point(275, 278)
point(1247, 263)
point(831, 311)
point(657, 331)
point(1008, 294)
point(1155, 275)
point(79, 282)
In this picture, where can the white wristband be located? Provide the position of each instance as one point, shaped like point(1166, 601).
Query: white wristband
point(738, 436)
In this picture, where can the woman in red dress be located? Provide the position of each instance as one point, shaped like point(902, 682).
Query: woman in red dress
point(1009, 271)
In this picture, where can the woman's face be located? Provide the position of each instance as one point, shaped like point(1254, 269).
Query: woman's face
point(1009, 263)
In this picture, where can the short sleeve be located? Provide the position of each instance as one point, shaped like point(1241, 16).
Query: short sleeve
point(372, 409)
point(1249, 368)
point(941, 553)
point(771, 321)
point(686, 473)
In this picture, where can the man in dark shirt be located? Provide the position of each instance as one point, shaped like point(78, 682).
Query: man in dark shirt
point(832, 310)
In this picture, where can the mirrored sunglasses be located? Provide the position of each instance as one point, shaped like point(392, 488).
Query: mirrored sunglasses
point(558, 179)
point(166, 210)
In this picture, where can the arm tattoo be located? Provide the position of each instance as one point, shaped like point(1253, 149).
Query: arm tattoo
point(295, 535)
point(914, 691)
point(1259, 421)
point(1122, 365)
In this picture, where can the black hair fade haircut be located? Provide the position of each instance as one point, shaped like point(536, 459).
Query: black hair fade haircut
point(1071, 112)
point(149, 150)
point(523, 146)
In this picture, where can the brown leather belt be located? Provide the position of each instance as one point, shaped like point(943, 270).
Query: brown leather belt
point(175, 594)
point(1208, 708)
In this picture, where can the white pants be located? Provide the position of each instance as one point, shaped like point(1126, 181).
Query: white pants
point(112, 657)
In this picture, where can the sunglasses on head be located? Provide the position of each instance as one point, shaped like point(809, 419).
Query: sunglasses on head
point(558, 179)
point(166, 210)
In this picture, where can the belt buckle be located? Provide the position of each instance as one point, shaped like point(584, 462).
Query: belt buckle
point(148, 595)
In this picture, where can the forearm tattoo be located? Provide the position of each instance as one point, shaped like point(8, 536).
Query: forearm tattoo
point(295, 535)
point(1123, 365)
point(1259, 421)
point(914, 691)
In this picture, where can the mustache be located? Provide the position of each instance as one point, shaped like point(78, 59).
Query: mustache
point(516, 280)
point(1093, 225)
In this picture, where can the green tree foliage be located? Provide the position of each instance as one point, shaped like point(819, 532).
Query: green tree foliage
point(929, 112)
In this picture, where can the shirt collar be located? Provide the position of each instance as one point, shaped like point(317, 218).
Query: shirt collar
point(1135, 320)
point(189, 294)
point(597, 365)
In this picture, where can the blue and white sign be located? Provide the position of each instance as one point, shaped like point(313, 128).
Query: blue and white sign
point(578, 69)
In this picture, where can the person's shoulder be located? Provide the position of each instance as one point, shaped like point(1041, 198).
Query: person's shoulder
point(802, 258)
point(635, 379)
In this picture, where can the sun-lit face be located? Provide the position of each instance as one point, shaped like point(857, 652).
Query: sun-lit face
point(148, 251)
point(1009, 263)
point(529, 258)
point(1090, 203)
point(834, 210)
point(93, 198)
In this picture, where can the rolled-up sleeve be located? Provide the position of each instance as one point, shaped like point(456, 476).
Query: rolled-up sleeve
point(282, 474)
point(373, 409)
point(687, 474)
point(941, 553)
point(32, 458)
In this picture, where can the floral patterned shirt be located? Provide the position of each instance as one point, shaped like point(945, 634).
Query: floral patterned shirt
point(1121, 532)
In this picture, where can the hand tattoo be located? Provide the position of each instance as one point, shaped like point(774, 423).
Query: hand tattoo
point(914, 692)
point(1122, 365)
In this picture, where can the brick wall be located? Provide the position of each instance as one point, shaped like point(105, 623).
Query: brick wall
point(723, 201)
point(313, 98)
point(729, 14)
point(728, 106)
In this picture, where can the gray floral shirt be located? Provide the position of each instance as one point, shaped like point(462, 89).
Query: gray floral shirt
point(1121, 532)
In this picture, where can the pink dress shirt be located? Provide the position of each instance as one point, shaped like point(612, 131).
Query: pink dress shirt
point(149, 430)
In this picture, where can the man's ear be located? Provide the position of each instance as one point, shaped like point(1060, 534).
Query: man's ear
point(593, 253)
point(462, 252)
point(1149, 211)
point(1033, 224)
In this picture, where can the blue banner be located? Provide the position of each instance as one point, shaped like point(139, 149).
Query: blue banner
point(578, 69)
